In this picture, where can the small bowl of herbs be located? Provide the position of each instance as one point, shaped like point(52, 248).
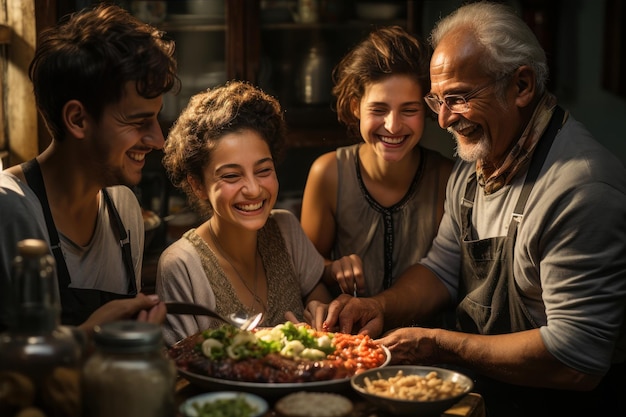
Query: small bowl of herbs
point(224, 403)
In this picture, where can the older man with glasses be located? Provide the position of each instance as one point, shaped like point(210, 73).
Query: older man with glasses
point(532, 247)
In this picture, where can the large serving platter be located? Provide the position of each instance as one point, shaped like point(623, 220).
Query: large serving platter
point(270, 389)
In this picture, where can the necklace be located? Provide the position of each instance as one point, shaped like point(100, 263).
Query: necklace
point(222, 252)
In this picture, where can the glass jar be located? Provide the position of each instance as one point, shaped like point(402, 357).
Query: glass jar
point(40, 361)
point(129, 373)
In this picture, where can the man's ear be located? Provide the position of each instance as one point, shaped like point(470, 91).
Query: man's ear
point(525, 83)
point(75, 118)
point(198, 188)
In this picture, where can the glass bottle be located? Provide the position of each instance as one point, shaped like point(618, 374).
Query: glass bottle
point(313, 82)
point(129, 373)
point(39, 360)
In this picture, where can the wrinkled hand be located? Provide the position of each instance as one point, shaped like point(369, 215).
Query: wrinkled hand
point(348, 313)
point(143, 307)
point(411, 345)
point(348, 272)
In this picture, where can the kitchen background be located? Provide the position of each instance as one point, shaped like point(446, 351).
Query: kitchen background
point(289, 47)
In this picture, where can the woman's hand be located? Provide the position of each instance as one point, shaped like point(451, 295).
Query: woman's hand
point(348, 272)
point(315, 314)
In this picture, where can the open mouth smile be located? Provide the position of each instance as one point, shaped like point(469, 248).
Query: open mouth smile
point(250, 207)
point(392, 140)
point(465, 129)
point(135, 156)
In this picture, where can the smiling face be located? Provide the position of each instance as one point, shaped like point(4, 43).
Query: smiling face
point(391, 115)
point(124, 135)
point(240, 180)
point(492, 123)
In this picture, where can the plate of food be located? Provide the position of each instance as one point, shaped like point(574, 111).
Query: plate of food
point(277, 360)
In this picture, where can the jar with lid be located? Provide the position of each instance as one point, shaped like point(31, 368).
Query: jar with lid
point(40, 361)
point(129, 373)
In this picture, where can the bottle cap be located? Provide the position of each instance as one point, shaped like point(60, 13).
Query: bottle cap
point(32, 247)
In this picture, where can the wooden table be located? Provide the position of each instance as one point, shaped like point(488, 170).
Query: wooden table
point(471, 405)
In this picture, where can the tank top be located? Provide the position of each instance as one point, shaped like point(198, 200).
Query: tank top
point(388, 239)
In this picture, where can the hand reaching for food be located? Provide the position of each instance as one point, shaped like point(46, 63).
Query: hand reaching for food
point(348, 273)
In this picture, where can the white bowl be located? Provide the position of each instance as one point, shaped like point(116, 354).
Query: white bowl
point(259, 404)
point(411, 407)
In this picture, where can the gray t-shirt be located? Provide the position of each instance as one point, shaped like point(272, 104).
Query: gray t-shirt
point(570, 252)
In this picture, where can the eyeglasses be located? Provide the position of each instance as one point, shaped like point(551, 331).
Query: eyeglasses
point(456, 103)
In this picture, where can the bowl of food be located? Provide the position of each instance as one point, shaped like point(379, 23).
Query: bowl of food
point(224, 403)
point(412, 390)
point(318, 404)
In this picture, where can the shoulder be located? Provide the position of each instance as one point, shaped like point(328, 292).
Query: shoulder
point(289, 226)
point(180, 259)
point(126, 203)
point(577, 152)
point(11, 185)
point(18, 199)
point(285, 220)
point(181, 251)
point(123, 195)
point(323, 164)
point(322, 179)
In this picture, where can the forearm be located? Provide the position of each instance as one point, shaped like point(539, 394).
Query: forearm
point(518, 358)
point(319, 293)
point(328, 277)
point(417, 295)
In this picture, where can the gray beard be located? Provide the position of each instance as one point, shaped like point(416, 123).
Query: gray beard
point(474, 152)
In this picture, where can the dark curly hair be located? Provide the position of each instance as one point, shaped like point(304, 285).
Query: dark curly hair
point(208, 117)
point(384, 52)
point(91, 55)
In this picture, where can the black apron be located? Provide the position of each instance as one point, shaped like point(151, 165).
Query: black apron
point(78, 304)
point(490, 304)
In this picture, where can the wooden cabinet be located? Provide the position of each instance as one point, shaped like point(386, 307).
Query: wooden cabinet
point(280, 45)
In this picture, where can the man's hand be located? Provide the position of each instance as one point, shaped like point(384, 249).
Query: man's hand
point(411, 345)
point(348, 313)
point(144, 307)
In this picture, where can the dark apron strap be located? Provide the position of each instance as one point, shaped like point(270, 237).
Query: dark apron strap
point(34, 177)
point(538, 158)
point(124, 237)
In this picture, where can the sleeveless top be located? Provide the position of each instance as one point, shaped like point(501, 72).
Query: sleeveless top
point(388, 239)
point(283, 289)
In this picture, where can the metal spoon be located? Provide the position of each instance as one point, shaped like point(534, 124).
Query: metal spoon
point(240, 320)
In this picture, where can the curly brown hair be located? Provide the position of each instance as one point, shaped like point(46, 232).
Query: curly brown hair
point(384, 52)
point(209, 116)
